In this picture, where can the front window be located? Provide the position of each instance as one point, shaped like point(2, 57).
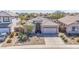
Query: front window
point(6, 19)
point(74, 28)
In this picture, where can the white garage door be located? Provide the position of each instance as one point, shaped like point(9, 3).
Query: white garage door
point(4, 29)
point(49, 30)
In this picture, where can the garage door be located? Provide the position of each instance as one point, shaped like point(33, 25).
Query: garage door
point(4, 29)
point(49, 30)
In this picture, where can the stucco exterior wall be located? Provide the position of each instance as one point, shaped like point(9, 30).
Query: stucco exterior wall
point(69, 28)
point(47, 29)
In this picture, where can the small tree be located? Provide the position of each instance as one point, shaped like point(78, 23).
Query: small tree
point(56, 15)
point(29, 29)
point(22, 17)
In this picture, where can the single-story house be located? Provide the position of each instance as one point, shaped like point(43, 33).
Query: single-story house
point(43, 26)
point(8, 20)
point(71, 24)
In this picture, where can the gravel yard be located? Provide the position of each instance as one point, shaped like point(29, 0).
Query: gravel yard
point(33, 41)
point(69, 40)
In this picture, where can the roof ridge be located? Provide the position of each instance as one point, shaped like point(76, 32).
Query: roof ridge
point(10, 13)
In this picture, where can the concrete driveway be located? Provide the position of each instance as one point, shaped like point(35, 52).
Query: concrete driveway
point(53, 41)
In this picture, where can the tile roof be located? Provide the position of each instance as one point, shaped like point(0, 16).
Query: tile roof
point(68, 19)
point(44, 21)
point(7, 13)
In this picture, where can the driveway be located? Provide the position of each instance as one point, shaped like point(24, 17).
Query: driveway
point(53, 41)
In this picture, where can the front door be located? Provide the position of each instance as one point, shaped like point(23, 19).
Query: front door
point(38, 28)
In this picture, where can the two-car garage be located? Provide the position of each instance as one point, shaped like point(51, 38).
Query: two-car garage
point(49, 30)
point(53, 31)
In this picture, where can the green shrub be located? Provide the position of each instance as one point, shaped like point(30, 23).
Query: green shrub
point(61, 36)
point(29, 28)
point(22, 37)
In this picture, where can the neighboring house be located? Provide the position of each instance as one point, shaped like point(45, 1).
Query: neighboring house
point(43, 26)
point(8, 21)
point(71, 24)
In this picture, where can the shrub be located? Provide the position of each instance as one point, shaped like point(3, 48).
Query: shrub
point(29, 28)
point(78, 41)
point(22, 23)
point(16, 34)
point(11, 35)
point(22, 37)
point(66, 40)
point(9, 41)
point(61, 36)
point(72, 38)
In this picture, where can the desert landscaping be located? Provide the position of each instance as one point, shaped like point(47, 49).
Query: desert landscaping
point(39, 30)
